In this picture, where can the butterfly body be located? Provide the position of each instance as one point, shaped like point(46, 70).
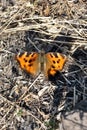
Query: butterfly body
point(34, 63)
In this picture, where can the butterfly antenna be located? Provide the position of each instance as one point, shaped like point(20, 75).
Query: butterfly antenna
point(33, 44)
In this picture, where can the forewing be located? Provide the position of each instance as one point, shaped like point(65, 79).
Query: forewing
point(29, 62)
point(54, 62)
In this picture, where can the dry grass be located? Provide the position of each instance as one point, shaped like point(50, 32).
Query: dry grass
point(61, 26)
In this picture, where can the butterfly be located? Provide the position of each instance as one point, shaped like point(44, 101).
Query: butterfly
point(34, 63)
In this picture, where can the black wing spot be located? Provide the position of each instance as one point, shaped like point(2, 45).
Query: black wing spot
point(21, 54)
point(32, 54)
point(54, 62)
point(58, 60)
point(51, 55)
point(25, 60)
point(27, 55)
point(53, 66)
point(30, 61)
point(55, 54)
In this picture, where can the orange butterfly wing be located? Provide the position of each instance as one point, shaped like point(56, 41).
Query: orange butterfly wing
point(29, 62)
point(53, 62)
point(48, 63)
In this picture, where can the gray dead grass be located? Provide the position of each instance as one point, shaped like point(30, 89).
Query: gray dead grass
point(28, 103)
